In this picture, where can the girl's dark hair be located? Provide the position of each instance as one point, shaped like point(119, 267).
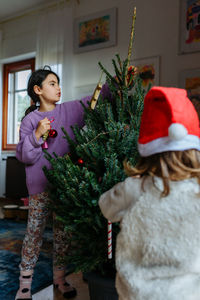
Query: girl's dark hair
point(37, 78)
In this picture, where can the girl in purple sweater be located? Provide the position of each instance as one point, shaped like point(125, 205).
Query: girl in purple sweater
point(44, 114)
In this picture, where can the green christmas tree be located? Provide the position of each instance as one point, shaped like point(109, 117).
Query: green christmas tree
point(94, 165)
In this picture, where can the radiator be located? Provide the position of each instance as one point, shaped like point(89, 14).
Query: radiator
point(15, 179)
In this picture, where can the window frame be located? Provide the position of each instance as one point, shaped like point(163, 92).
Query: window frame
point(9, 68)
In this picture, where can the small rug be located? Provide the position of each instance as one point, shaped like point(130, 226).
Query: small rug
point(11, 238)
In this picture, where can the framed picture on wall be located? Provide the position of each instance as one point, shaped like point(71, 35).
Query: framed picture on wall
point(148, 69)
point(95, 31)
point(189, 26)
point(190, 80)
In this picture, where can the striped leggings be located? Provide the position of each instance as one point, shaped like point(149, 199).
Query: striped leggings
point(37, 217)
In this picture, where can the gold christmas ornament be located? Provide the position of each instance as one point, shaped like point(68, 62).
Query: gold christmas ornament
point(45, 136)
point(96, 93)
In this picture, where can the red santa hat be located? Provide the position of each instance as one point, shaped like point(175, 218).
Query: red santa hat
point(169, 122)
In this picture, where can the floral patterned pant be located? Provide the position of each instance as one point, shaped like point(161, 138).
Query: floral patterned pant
point(38, 214)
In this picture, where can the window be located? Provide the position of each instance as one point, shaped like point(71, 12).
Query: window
point(15, 100)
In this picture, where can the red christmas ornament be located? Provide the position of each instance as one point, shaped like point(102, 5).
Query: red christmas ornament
point(80, 161)
point(53, 133)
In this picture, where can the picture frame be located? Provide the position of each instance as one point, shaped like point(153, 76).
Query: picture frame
point(189, 33)
point(190, 80)
point(95, 31)
point(148, 68)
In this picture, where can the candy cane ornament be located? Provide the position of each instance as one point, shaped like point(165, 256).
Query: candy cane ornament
point(92, 105)
point(109, 240)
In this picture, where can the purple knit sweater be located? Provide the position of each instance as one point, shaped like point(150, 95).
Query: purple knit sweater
point(29, 150)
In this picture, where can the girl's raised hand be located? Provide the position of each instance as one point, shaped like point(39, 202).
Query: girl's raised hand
point(43, 126)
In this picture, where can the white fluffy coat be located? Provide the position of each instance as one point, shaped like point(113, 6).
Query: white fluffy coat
point(158, 247)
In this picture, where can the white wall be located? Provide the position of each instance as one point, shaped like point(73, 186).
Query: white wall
point(157, 33)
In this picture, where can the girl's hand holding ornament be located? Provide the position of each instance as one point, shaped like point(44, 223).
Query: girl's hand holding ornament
point(45, 131)
point(43, 127)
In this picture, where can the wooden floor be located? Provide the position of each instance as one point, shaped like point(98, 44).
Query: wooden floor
point(75, 280)
point(81, 286)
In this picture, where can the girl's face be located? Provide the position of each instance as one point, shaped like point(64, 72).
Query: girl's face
point(50, 91)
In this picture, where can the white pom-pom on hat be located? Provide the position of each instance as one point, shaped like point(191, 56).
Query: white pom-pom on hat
point(177, 131)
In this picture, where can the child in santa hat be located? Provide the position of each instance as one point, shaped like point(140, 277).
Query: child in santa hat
point(158, 205)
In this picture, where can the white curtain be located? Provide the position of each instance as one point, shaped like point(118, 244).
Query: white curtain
point(1, 34)
point(54, 45)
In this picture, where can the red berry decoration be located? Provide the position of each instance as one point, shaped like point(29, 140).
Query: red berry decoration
point(131, 72)
point(53, 133)
point(80, 161)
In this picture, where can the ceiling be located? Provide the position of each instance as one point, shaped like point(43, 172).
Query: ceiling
point(12, 8)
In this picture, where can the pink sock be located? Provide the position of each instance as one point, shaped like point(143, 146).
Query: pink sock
point(60, 283)
point(25, 280)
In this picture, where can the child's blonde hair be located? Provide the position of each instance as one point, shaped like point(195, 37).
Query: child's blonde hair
point(171, 165)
